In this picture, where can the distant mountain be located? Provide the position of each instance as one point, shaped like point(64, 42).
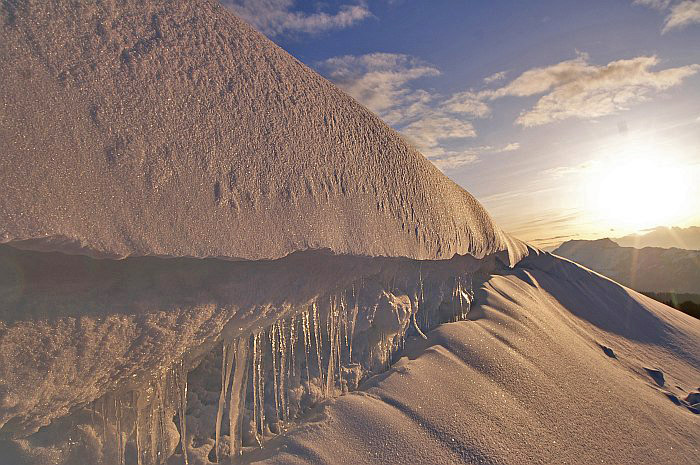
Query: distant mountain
point(683, 238)
point(649, 269)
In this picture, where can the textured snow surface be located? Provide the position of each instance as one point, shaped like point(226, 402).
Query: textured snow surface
point(175, 129)
point(556, 364)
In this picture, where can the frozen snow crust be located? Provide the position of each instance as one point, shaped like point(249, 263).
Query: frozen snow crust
point(175, 129)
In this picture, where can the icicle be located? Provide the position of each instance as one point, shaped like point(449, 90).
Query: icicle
point(155, 423)
point(180, 380)
point(261, 389)
point(337, 344)
point(274, 340)
point(104, 419)
point(420, 281)
point(256, 386)
point(353, 321)
point(344, 318)
point(284, 374)
point(307, 341)
point(238, 395)
point(330, 328)
point(415, 325)
point(136, 397)
point(226, 362)
point(118, 427)
point(158, 418)
point(317, 336)
point(258, 389)
point(293, 337)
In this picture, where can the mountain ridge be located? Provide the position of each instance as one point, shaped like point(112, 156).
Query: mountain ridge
point(649, 269)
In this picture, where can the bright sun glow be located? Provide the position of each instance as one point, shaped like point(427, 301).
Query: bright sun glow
point(640, 187)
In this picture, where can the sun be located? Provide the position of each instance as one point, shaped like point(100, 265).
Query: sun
point(640, 187)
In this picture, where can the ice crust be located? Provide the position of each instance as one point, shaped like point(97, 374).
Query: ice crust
point(175, 129)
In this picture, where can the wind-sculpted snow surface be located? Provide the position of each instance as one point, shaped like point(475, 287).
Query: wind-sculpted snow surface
point(555, 364)
point(175, 129)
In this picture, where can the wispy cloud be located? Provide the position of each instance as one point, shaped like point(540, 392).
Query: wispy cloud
point(428, 131)
point(379, 81)
point(275, 17)
point(679, 14)
point(656, 4)
point(683, 14)
point(469, 103)
point(495, 77)
point(513, 146)
point(450, 159)
point(578, 89)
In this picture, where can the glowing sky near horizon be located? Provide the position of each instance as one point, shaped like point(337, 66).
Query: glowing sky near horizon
point(566, 119)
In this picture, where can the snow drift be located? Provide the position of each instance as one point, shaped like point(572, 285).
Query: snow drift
point(554, 364)
point(171, 131)
point(175, 129)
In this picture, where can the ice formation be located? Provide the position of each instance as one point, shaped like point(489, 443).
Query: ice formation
point(116, 338)
point(264, 363)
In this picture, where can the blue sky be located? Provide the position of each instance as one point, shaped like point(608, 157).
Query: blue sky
point(566, 119)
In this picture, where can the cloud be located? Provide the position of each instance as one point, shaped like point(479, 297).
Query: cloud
point(379, 81)
point(449, 159)
point(495, 77)
point(454, 159)
point(275, 17)
point(682, 15)
point(656, 4)
point(513, 146)
point(578, 89)
point(430, 132)
point(538, 80)
point(467, 102)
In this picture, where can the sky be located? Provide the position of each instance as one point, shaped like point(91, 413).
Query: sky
point(565, 119)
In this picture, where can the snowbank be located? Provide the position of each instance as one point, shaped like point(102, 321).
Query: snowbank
point(175, 129)
point(555, 364)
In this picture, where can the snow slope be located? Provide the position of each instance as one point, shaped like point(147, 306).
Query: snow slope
point(554, 365)
point(175, 129)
